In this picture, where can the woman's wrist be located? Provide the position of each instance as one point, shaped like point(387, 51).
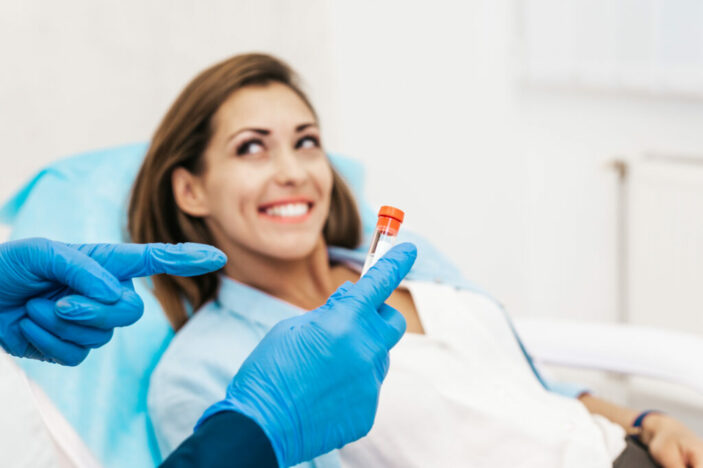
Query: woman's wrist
point(650, 422)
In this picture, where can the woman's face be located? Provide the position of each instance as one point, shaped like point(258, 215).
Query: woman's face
point(267, 182)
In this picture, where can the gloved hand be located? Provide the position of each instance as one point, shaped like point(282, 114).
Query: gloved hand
point(59, 300)
point(312, 383)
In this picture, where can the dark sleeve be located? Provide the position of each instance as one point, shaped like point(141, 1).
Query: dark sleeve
point(227, 439)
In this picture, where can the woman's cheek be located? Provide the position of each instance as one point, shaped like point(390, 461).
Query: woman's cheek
point(238, 186)
point(325, 177)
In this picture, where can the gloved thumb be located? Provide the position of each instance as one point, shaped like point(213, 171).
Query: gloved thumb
point(384, 277)
point(127, 261)
point(67, 266)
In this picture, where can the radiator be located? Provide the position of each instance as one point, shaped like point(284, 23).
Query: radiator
point(662, 242)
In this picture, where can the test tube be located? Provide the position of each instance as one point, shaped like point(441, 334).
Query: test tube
point(389, 221)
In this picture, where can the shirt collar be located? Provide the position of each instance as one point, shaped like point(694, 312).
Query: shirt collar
point(252, 304)
point(257, 306)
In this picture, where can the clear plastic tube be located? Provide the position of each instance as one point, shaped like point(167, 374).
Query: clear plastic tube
point(385, 235)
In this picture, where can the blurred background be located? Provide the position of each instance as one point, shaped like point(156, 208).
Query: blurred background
point(563, 137)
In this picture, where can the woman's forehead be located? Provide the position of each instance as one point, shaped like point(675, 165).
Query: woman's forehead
point(263, 106)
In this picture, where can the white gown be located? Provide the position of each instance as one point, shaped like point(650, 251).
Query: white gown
point(463, 395)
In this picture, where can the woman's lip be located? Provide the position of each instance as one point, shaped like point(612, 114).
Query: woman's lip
point(285, 201)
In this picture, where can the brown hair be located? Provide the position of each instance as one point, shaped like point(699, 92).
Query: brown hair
point(180, 141)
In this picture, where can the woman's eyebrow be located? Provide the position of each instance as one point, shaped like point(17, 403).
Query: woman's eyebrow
point(302, 127)
point(260, 131)
point(265, 132)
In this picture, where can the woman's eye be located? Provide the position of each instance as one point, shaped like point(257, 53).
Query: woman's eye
point(250, 147)
point(308, 142)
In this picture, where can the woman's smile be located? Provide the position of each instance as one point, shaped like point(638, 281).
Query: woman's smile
point(287, 211)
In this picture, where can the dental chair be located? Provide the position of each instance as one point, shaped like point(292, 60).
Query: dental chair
point(99, 407)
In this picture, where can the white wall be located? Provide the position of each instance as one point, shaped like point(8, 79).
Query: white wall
point(436, 91)
point(428, 103)
point(573, 230)
point(511, 180)
point(80, 75)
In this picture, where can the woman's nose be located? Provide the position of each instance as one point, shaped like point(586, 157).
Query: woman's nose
point(289, 170)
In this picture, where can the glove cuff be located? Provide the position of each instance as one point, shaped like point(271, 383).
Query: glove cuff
point(266, 422)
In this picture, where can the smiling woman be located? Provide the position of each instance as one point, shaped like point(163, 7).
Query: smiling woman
point(238, 162)
point(266, 185)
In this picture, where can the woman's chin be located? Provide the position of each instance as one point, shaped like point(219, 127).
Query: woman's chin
point(291, 250)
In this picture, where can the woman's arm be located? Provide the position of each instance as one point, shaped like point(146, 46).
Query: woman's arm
point(620, 415)
point(670, 442)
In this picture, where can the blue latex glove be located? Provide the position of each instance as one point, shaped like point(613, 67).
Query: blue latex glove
point(59, 300)
point(312, 383)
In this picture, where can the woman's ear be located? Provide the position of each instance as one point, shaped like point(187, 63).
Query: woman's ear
point(189, 193)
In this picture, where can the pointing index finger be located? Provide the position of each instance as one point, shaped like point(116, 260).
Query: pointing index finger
point(385, 276)
point(127, 261)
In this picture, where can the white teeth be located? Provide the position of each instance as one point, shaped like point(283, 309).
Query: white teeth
point(289, 210)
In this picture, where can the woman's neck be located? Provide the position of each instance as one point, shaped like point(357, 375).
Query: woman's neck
point(305, 282)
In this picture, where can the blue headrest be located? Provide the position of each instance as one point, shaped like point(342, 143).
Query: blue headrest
point(83, 199)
